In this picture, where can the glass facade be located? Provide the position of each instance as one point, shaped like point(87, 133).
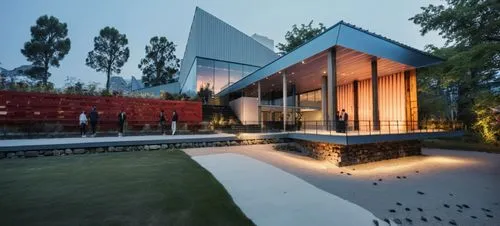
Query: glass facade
point(235, 72)
point(221, 75)
point(310, 99)
point(205, 74)
point(189, 86)
point(215, 74)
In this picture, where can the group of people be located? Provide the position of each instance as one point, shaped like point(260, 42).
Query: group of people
point(341, 121)
point(93, 118)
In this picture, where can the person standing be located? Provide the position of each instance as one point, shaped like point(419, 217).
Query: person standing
point(344, 117)
point(122, 117)
point(94, 117)
point(174, 122)
point(162, 121)
point(83, 124)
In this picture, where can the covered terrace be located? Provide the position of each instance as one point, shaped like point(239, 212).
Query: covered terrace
point(304, 89)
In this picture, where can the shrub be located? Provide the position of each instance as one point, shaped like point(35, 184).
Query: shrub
point(146, 128)
point(106, 93)
point(194, 128)
point(487, 124)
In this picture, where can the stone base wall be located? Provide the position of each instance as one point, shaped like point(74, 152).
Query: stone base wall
point(61, 152)
point(343, 155)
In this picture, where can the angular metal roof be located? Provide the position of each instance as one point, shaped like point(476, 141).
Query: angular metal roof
point(212, 38)
point(345, 35)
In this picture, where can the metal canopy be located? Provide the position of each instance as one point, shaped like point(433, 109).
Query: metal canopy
point(355, 47)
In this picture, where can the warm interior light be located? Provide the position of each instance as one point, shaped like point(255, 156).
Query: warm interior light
point(303, 62)
point(324, 72)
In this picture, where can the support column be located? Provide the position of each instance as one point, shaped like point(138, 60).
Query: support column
point(355, 85)
point(284, 101)
point(332, 84)
point(375, 116)
point(259, 108)
point(324, 98)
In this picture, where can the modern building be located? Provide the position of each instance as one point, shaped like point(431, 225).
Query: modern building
point(118, 84)
point(344, 69)
point(267, 42)
point(172, 88)
point(218, 55)
point(135, 84)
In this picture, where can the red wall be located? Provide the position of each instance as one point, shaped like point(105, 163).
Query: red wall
point(26, 107)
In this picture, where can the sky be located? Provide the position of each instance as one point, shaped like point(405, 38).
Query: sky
point(141, 20)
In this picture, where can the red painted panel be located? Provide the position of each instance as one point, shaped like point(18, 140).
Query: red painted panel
point(26, 107)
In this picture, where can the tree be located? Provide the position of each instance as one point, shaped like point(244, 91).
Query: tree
point(299, 35)
point(48, 45)
point(110, 52)
point(471, 30)
point(160, 63)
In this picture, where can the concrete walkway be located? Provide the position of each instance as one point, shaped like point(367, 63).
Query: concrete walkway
point(90, 142)
point(271, 196)
point(440, 187)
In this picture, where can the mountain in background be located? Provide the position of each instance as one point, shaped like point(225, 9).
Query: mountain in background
point(18, 74)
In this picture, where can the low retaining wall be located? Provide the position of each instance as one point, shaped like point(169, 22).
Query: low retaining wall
point(71, 151)
point(345, 155)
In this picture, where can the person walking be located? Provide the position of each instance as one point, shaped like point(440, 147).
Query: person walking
point(83, 124)
point(94, 117)
point(174, 122)
point(162, 122)
point(122, 117)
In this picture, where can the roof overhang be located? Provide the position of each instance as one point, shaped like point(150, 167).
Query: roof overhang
point(345, 35)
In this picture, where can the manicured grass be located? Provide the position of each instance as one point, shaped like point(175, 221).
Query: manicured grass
point(457, 144)
point(134, 188)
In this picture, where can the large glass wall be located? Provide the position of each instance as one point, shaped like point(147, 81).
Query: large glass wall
point(221, 75)
point(205, 71)
point(218, 74)
point(247, 69)
point(310, 99)
point(189, 86)
point(235, 72)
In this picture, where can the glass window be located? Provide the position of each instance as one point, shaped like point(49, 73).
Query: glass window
point(189, 86)
point(235, 72)
point(310, 99)
point(221, 75)
point(205, 70)
point(248, 70)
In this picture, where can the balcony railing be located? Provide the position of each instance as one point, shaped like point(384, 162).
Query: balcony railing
point(64, 127)
point(349, 128)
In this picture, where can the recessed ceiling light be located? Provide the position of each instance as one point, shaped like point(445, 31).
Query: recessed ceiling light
point(303, 62)
point(293, 73)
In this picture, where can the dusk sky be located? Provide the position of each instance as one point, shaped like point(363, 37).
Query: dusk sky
point(141, 20)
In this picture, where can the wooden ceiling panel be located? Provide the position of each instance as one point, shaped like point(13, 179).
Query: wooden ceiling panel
point(351, 65)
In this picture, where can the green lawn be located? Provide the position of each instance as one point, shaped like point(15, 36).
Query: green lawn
point(134, 188)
